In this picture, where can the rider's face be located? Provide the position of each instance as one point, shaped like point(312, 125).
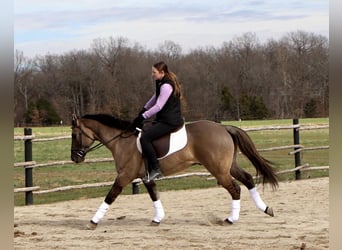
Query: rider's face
point(157, 75)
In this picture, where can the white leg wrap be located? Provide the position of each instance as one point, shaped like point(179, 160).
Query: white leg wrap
point(100, 212)
point(259, 203)
point(235, 214)
point(158, 211)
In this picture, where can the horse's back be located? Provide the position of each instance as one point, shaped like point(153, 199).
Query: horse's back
point(207, 134)
point(205, 126)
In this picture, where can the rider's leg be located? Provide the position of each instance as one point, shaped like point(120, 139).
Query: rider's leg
point(152, 133)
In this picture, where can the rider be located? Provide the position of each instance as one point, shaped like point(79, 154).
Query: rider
point(165, 103)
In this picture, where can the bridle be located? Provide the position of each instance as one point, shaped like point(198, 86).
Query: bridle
point(82, 151)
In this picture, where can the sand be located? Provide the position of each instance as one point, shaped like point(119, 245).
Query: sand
point(192, 221)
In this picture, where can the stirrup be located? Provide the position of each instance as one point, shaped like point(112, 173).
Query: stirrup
point(156, 174)
point(146, 178)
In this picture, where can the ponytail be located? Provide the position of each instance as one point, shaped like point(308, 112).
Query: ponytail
point(173, 78)
point(178, 90)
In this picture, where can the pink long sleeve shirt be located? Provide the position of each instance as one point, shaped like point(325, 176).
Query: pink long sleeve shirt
point(154, 105)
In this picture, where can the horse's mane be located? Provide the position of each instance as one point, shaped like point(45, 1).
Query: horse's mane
point(109, 120)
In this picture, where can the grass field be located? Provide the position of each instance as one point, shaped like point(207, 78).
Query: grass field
point(72, 174)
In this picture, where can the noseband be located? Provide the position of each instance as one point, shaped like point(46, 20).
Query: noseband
point(81, 151)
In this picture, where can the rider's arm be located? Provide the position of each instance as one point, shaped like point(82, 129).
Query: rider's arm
point(165, 92)
point(150, 102)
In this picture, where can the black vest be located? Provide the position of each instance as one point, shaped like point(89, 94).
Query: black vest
point(171, 112)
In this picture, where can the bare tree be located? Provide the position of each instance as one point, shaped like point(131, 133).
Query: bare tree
point(288, 76)
point(169, 51)
point(23, 77)
point(109, 51)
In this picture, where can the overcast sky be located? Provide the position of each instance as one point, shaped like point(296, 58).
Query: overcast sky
point(59, 26)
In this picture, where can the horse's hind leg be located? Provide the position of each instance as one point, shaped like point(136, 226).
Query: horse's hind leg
point(159, 213)
point(235, 191)
point(244, 177)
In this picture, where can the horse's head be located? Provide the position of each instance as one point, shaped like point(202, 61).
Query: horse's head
point(81, 140)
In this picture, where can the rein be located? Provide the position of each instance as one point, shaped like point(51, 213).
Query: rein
point(83, 152)
point(100, 144)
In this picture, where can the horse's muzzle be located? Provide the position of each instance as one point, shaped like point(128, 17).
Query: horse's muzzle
point(78, 156)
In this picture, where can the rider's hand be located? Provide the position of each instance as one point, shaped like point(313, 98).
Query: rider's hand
point(138, 121)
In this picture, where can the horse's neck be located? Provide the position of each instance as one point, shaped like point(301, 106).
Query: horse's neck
point(105, 134)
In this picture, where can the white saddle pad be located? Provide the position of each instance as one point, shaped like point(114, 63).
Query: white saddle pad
point(178, 141)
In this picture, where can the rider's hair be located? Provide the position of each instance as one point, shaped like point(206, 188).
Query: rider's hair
point(162, 66)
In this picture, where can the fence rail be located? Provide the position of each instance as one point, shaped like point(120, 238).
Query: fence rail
point(29, 164)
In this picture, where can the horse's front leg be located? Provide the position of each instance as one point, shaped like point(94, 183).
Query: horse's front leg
point(110, 198)
point(159, 213)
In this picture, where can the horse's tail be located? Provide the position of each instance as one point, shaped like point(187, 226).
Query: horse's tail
point(246, 145)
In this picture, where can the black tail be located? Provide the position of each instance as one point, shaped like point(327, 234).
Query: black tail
point(246, 145)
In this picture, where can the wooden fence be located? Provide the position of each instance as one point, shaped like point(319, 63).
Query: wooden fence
point(29, 164)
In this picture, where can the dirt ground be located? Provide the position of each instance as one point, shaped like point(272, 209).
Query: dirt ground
point(192, 219)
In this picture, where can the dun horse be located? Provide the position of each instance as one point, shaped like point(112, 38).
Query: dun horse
point(208, 143)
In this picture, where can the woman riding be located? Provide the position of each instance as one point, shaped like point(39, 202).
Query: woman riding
point(165, 104)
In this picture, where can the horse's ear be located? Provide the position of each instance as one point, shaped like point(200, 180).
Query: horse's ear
point(74, 120)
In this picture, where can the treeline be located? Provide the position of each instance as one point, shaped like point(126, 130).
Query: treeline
point(242, 79)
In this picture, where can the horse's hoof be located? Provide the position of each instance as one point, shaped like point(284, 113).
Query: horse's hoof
point(226, 222)
point(269, 211)
point(91, 225)
point(154, 223)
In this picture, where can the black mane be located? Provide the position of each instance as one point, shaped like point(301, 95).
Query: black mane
point(109, 121)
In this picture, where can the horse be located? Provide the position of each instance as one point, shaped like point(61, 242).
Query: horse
point(209, 144)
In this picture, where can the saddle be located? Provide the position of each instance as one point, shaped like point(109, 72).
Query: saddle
point(167, 144)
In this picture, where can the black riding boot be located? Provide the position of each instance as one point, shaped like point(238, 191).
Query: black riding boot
point(154, 172)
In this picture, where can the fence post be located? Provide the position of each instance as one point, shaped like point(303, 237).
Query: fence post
point(135, 188)
point(28, 171)
point(297, 154)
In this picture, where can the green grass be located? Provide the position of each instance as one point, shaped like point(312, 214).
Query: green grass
point(75, 174)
